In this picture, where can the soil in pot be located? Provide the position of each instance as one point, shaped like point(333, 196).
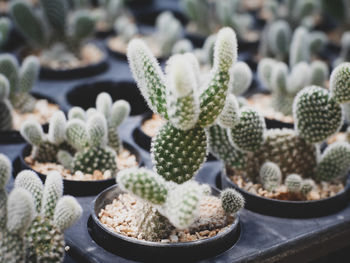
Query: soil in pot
point(321, 191)
point(85, 95)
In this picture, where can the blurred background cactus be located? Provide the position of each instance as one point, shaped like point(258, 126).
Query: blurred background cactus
point(5, 26)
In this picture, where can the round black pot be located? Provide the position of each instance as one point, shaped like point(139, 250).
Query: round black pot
point(290, 209)
point(76, 188)
point(144, 141)
point(13, 136)
point(75, 73)
point(147, 251)
point(85, 94)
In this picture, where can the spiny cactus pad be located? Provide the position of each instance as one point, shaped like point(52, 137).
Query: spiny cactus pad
point(293, 183)
point(248, 133)
point(317, 115)
point(334, 162)
point(177, 154)
point(231, 201)
point(143, 183)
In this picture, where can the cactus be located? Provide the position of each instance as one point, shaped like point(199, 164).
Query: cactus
point(46, 146)
point(264, 69)
point(229, 116)
point(231, 201)
point(5, 25)
point(279, 35)
point(241, 78)
point(340, 83)
point(345, 49)
point(90, 142)
point(5, 105)
point(293, 183)
point(270, 176)
point(177, 98)
point(200, 13)
point(182, 46)
point(108, 12)
point(306, 186)
point(334, 162)
point(5, 173)
point(54, 15)
point(168, 31)
point(21, 80)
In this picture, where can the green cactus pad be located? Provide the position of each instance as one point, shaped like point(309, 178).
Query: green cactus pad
point(270, 176)
point(317, 115)
point(340, 83)
point(177, 155)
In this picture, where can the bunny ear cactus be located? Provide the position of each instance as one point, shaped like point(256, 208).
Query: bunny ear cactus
point(241, 78)
point(90, 142)
point(188, 108)
point(5, 174)
point(6, 120)
point(21, 80)
point(279, 35)
point(345, 49)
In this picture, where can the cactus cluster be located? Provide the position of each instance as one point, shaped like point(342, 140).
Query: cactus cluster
point(180, 146)
point(34, 216)
point(285, 84)
point(285, 154)
point(5, 25)
point(21, 80)
point(48, 25)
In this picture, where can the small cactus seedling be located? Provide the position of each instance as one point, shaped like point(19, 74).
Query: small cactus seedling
point(5, 105)
point(46, 146)
point(177, 98)
point(53, 14)
point(5, 25)
point(231, 201)
point(21, 80)
point(90, 142)
point(294, 153)
point(168, 32)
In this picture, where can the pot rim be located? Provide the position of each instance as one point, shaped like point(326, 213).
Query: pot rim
point(95, 219)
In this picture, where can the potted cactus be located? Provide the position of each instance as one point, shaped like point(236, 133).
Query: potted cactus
point(34, 216)
point(169, 199)
point(62, 50)
point(86, 149)
point(167, 33)
point(282, 171)
point(18, 103)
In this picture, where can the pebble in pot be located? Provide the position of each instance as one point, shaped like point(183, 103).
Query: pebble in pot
point(295, 153)
point(34, 216)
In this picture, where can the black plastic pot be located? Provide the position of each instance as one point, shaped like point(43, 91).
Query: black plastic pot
point(290, 209)
point(85, 94)
point(146, 251)
point(75, 73)
point(13, 136)
point(71, 187)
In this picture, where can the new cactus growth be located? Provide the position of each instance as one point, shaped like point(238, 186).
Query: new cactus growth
point(53, 14)
point(37, 215)
point(231, 201)
point(293, 183)
point(178, 99)
point(21, 80)
point(270, 176)
point(46, 146)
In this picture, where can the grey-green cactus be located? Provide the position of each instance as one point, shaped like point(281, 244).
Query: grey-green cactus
point(340, 83)
point(344, 55)
point(46, 146)
point(5, 25)
point(168, 31)
point(182, 46)
point(241, 78)
point(5, 105)
point(307, 185)
point(231, 201)
point(293, 183)
point(34, 232)
point(53, 14)
point(21, 80)
point(125, 28)
point(5, 174)
point(270, 176)
point(90, 142)
point(108, 12)
point(179, 100)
